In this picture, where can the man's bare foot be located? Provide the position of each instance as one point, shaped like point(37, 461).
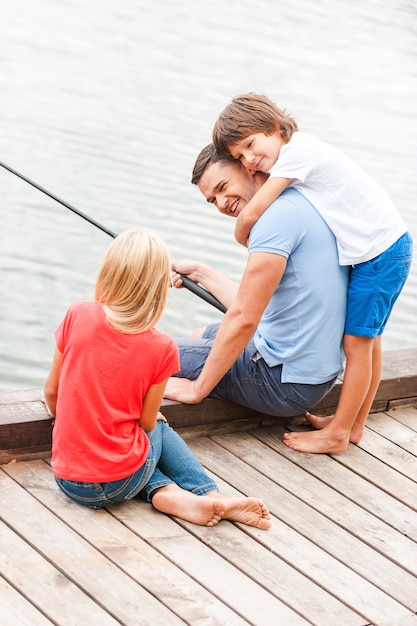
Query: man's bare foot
point(200, 510)
point(249, 511)
point(317, 442)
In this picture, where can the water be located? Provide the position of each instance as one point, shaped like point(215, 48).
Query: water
point(107, 105)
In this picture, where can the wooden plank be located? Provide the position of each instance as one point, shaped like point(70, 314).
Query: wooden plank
point(378, 473)
point(204, 561)
point(318, 495)
point(25, 427)
point(46, 586)
point(349, 484)
point(399, 375)
point(15, 610)
point(406, 415)
point(281, 579)
point(395, 431)
point(307, 520)
point(148, 567)
point(391, 454)
point(111, 588)
point(334, 576)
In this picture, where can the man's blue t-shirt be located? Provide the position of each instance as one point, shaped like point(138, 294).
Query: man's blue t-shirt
point(302, 326)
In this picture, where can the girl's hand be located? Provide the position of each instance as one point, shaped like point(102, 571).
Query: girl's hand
point(161, 417)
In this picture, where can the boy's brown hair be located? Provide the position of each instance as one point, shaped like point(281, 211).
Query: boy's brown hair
point(248, 114)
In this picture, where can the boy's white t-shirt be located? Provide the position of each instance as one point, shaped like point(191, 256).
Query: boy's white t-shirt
point(357, 209)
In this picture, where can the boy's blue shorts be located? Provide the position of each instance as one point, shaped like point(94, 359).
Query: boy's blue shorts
point(374, 286)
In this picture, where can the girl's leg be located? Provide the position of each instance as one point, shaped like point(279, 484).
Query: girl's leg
point(177, 465)
point(180, 486)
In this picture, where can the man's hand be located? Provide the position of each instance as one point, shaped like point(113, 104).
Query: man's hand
point(182, 390)
point(186, 267)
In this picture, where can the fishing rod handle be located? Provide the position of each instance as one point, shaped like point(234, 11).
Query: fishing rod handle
point(202, 293)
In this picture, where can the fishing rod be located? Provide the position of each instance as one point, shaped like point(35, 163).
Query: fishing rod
point(189, 284)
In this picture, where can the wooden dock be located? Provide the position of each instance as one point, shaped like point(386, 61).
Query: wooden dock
point(342, 549)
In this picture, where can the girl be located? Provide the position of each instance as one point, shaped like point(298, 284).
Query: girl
point(105, 388)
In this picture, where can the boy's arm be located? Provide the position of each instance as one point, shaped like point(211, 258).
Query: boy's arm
point(265, 196)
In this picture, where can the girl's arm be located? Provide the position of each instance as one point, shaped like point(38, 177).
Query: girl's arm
point(150, 408)
point(51, 384)
point(265, 196)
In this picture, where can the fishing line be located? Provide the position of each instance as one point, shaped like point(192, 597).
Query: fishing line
point(198, 290)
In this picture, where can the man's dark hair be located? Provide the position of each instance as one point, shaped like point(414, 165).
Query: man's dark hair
point(207, 156)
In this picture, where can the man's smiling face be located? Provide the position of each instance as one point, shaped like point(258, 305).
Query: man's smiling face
point(228, 186)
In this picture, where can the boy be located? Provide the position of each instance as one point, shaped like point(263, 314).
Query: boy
point(371, 237)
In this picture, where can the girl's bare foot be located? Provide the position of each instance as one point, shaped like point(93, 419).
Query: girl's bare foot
point(208, 510)
point(200, 510)
point(249, 511)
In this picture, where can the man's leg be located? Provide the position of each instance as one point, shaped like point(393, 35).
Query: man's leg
point(250, 381)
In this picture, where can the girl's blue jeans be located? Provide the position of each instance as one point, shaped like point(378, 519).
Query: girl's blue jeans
point(170, 461)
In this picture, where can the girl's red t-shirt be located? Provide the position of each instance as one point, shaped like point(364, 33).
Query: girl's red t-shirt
point(103, 380)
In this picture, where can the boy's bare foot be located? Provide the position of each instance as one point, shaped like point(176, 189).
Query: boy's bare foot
point(319, 423)
point(316, 421)
point(356, 433)
point(249, 511)
point(317, 442)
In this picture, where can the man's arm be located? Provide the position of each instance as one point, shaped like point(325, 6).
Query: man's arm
point(262, 275)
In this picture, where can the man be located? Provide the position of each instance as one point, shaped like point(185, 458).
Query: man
point(278, 349)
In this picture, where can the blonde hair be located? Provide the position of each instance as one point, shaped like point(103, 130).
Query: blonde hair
point(133, 281)
point(248, 114)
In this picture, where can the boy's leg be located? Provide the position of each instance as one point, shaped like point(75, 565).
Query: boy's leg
point(356, 432)
point(334, 437)
point(374, 287)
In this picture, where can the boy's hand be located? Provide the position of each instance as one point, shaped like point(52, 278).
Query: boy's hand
point(242, 230)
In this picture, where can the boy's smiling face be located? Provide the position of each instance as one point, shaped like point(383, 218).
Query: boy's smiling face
point(259, 151)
